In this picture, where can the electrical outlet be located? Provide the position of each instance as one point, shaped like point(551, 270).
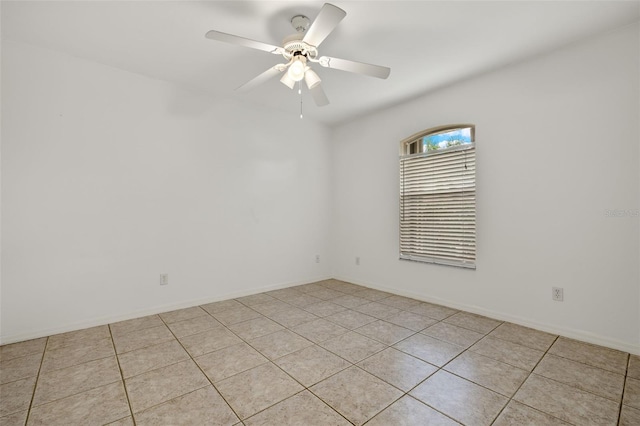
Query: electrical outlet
point(317, 258)
point(164, 279)
point(358, 260)
point(557, 294)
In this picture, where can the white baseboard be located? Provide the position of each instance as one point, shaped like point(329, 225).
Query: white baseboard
point(526, 322)
point(4, 340)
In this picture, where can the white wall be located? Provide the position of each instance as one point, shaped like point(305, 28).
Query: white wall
point(111, 178)
point(557, 145)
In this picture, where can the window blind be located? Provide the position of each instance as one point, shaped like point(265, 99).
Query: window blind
point(438, 206)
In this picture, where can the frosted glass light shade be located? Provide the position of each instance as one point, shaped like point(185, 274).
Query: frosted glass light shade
point(311, 78)
point(296, 70)
point(287, 81)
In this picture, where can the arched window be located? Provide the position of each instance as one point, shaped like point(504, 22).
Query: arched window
point(438, 196)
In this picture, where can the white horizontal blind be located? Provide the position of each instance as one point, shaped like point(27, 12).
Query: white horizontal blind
point(438, 206)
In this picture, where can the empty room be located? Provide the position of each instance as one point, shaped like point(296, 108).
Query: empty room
point(306, 213)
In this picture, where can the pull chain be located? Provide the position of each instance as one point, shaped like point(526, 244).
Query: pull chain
point(300, 93)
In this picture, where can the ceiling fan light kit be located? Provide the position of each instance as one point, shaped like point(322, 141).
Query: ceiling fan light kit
point(299, 50)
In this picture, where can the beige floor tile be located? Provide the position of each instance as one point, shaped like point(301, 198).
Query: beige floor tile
point(127, 421)
point(629, 416)
point(182, 314)
point(271, 308)
point(76, 354)
point(97, 406)
point(345, 393)
point(279, 344)
point(16, 396)
point(236, 315)
point(596, 356)
point(349, 301)
point(524, 336)
point(152, 357)
point(460, 399)
point(303, 408)
point(311, 364)
point(256, 327)
point(634, 367)
point(473, 322)
point(292, 317)
point(79, 337)
point(385, 332)
point(229, 361)
point(326, 294)
point(377, 310)
point(20, 368)
point(632, 393)
point(324, 308)
point(430, 310)
point(283, 293)
point(567, 403)
point(411, 321)
point(453, 334)
point(400, 302)
point(256, 389)
point(519, 414)
point(408, 411)
point(302, 300)
point(507, 352)
point(58, 384)
point(581, 376)
point(255, 299)
point(141, 339)
point(353, 347)
point(201, 407)
point(350, 319)
point(20, 349)
point(343, 286)
point(209, 341)
point(194, 325)
point(320, 330)
point(223, 305)
point(495, 375)
point(136, 324)
point(371, 294)
point(397, 368)
point(160, 385)
point(16, 419)
point(308, 288)
point(428, 349)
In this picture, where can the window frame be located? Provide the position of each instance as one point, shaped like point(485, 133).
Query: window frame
point(405, 149)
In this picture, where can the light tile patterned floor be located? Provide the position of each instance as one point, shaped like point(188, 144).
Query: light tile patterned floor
point(327, 353)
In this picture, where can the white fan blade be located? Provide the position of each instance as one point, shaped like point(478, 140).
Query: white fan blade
point(233, 39)
point(319, 97)
point(353, 66)
point(326, 21)
point(267, 75)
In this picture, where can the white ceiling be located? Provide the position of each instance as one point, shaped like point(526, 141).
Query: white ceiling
point(427, 44)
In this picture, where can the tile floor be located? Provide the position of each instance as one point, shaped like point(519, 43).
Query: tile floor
point(327, 353)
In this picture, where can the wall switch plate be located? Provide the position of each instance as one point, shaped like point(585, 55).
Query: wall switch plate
point(557, 294)
point(358, 260)
point(164, 279)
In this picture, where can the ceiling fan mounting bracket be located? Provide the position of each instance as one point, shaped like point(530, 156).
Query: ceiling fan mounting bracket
point(300, 23)
point(298, 47)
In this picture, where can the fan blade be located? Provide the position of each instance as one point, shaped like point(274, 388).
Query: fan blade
point(353, 66)
point(326, 21)
point(319, 97)
point(246, 42)
point(268, 74)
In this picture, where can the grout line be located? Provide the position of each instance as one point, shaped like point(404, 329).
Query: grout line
point(126, 392)
point(35, 384)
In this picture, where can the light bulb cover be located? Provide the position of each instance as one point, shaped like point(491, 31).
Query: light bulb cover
point(287, 81)
point(311, 78)
point(296, 70)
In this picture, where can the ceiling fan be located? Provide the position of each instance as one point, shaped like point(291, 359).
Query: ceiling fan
point(301, 49)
